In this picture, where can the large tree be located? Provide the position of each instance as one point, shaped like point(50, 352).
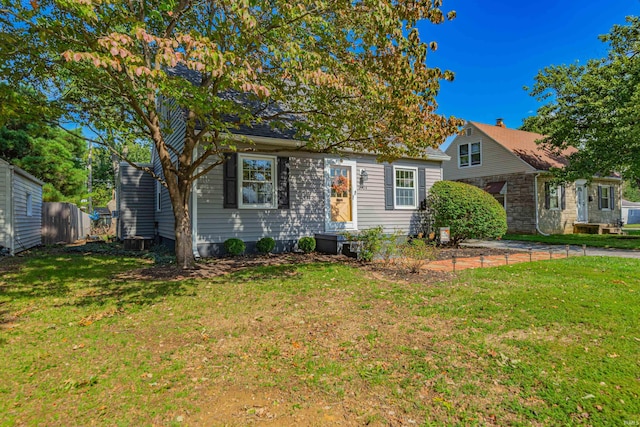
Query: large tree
point(595, 108)
point(341, 74)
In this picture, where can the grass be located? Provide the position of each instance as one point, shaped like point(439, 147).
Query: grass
point(629, 241)
point(83, 341)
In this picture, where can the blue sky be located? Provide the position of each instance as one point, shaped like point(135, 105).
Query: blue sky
point(496, 48)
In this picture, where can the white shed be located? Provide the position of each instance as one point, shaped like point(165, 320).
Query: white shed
point(630, 212)
point(20, 209)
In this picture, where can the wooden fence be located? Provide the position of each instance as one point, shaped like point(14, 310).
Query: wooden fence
point(63, 223)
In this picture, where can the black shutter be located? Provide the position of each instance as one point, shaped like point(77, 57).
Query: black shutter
point(612, 204)
point(422, 186)
point(599, 197)
point(283, 183)
point(547, 196)
point(230, 181)
point(563, 201)
point(388, 187)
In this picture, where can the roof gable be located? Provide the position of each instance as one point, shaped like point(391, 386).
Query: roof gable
point(523, 145)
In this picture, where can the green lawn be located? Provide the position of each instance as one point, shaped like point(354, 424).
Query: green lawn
point(629, 241)
point(84, 341)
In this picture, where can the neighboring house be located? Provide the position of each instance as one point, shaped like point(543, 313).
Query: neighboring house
point(630, 212)
point(280, 192)
point(20, 209)
point(510, 165)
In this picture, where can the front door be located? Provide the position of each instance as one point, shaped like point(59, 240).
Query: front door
point(340, 199)
point(581, 202)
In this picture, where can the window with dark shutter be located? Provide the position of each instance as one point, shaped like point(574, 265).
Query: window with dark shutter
point(563, 200)
point(547, 196)
point(422, 185)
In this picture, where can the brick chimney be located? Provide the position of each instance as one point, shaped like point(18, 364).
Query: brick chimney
point(500, 123)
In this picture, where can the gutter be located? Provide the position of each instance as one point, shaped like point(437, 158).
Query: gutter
point(535, 192)
point(12, 216)
point(194, 214)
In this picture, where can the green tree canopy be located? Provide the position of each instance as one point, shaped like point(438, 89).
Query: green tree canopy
point(595, 108)
point(341, 75)
point(51, 154)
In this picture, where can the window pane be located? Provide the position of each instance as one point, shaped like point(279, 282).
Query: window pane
point(257, 182)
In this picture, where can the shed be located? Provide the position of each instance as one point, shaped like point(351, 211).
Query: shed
point(630, 212)
point(20, 209)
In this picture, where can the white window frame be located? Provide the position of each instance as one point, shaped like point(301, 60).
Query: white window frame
point(395, 187)
point(274, 182)
point(469, 146)
point(338, 226)
point(557, 197)
point(602, 198)
point(29, 204)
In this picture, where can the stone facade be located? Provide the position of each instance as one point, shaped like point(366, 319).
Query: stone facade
point(520, 200)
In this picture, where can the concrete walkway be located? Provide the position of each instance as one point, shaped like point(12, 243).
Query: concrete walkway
point(529, 251)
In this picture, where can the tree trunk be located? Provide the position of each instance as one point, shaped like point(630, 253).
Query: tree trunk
point(185, 259)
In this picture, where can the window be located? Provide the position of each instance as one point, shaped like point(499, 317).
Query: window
point(29, 204)
point(257, 181)
point(469, 154)
point(158, 196)
point(405, 187)
point(554, 196)
point(605, 194)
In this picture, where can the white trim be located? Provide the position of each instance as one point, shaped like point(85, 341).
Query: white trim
point(194, 213)
point(469, 144)
point(415, 188)
point(340, 226)
point(608, 187)
point(274, 182)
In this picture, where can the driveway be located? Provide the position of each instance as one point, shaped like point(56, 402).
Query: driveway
point(543, 247)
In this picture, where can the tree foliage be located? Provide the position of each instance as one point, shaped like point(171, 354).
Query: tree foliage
point(468, 211)
point(340, 75)
point(595, 108)
point(51, 154)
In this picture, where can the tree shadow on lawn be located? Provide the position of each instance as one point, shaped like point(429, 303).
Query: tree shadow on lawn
point(82, 281)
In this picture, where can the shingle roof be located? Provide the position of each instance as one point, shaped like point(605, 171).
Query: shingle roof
point(523, 144)
point(264, 129)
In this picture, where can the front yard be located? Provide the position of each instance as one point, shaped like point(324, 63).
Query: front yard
point(115, 341)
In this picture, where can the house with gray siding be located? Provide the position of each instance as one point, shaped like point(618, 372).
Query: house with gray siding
point(276, 190)
point(20, 209)
point(509, 164)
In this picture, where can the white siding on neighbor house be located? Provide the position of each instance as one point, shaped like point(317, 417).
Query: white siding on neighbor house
point(5, 205)
point(494, 159)
point(28, 228)
point(306, 215)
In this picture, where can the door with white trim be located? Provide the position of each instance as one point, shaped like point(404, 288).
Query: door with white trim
point(581, 202)
point(340, 195)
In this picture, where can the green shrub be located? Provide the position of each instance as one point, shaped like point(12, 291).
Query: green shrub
point(265, 245)
point(372, 243)
point(416, 253)
point(234, 246)
point(470, 212)
point(307, 244)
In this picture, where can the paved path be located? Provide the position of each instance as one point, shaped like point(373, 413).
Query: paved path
point(531, 251)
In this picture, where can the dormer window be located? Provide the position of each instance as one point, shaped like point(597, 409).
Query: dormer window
point(469, 154)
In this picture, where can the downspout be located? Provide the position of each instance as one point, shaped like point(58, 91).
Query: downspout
point(535, 192)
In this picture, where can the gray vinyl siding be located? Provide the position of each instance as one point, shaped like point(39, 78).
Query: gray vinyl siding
point(175, 138)
point(494, 159)
point(5, 194)
point(306, 215)
point(137, 203)
point(28, 228)
point(371, 209)
point(304, 218)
